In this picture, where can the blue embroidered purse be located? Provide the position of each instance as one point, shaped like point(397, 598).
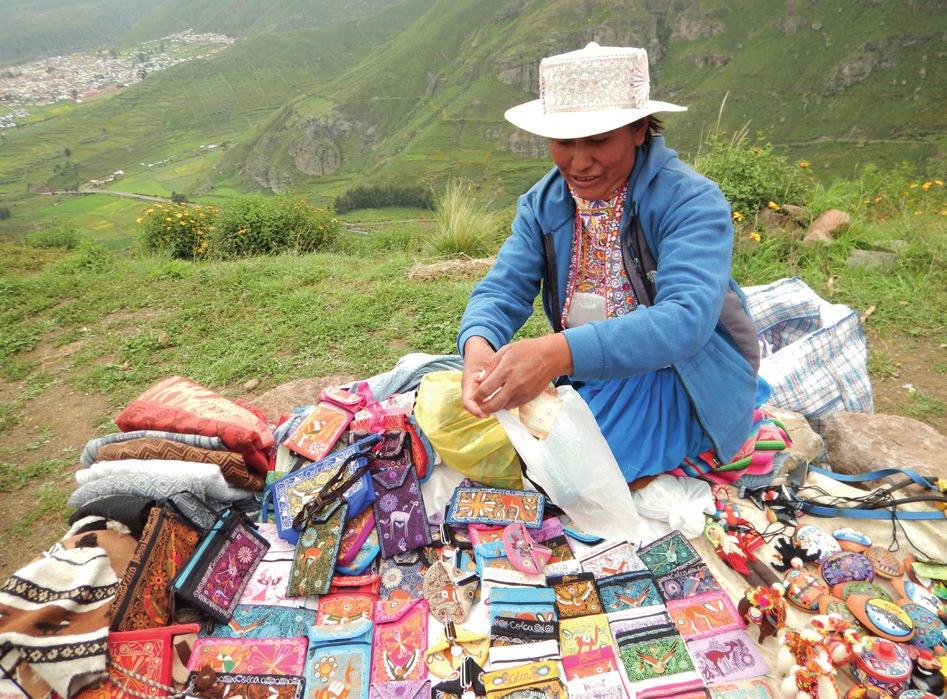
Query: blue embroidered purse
point(536, 603)
point(265, 621)
point(341, 653)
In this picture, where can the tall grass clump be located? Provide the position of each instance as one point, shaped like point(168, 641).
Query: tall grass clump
point(59, 234)
point(750, 176)
point(258, 225)
point(462, 225)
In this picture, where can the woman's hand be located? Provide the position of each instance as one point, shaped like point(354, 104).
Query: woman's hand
point(519, 372)
point(477, 355)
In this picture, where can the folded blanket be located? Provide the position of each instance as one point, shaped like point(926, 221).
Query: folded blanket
point(54, 612)
point(232, 465)
point(92, 447)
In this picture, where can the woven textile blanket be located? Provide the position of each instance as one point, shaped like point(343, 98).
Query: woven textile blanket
point(232, 465)
point(91, 451)
point(54, 611)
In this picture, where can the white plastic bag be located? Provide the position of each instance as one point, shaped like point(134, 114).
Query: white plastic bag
point(677, 503)
point(575, 467)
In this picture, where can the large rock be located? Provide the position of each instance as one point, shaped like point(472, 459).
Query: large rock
point(860, 442)
point(282, 399)
point(823, 227)
point(807, 445)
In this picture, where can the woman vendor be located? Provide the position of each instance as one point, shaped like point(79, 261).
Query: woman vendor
point(632, 250)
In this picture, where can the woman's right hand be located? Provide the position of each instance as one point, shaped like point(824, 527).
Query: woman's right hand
point(477, 355)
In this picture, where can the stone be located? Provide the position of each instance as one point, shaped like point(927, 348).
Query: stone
point(282, 399)
point(807, 445)
point(799, 214)
point(779, 224)
point(860, 442)
point(821, 230)
point(163, 339)
point(872, 259)
point(251, 384)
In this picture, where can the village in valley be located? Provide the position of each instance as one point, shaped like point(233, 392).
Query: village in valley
point(82, 76)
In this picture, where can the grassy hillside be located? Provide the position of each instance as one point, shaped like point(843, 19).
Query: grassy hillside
point(417, 93)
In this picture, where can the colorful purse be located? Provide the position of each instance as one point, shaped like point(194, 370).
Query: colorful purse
point(628, 590)
point(524, 554)
point(449, 592)
point(583, 634)
point(506, 577)
point(356, 532)
point(468, 685)
point(404, 572)
point(496, 506)
point(400, 517)
point(447, 655)
point(265, 621)
point(537, 604)
point(141, 663)
point(491, 554)
point(318, 545)
point(530, 680)
point(414, 689)
point(369, 584)
point(339, 660)
point(345, 608)
point(366, 555)
point(400, 640)
point(322, 428)
point(267, 585)
point(215, 577)
point(214, 685)
point(510, 631)
point(143, 599)
point(249, 656)
point(290, 493)
point(576, 595)
point(611, 558)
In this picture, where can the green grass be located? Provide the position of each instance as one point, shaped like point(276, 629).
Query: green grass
point(51, 502)
point(924, 407)
point(15, 477)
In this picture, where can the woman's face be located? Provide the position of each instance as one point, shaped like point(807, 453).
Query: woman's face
point(595, 166)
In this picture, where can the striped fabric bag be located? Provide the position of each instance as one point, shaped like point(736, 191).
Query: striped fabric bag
point(814, 352)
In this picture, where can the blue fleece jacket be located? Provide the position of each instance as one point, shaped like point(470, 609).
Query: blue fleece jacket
point(686, 223)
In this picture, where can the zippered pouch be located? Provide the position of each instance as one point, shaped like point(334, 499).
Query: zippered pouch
point(450, 592)
point(265, 621)
point(584, 634)
point(493, 578)
point(249, 656)
point(510, 631)
point(345, 608)
point(319, 432)
point(533, 680)
point(369, 584)
point(446, 656)
point(314, 562)
point(628, 591)
point(576, 595)
point(611, 558)
point(404, 572)
point(519, 654)
point(143, 598)
point(496, 506)
point(339, 660)
point(537, 604)
point(214, 578)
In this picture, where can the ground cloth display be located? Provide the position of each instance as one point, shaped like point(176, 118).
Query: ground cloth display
point(430, 584)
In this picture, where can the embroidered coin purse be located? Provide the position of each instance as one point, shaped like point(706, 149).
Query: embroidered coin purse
point(523, 552)
point(340, 656)
point(449, 592)
point(511, 631)
point(369, 584)
point(537, 604)
point(576, 595)
point(366, 555)
point(446, 656)
point(400, 517)
point(400, 640)
point(496, 506)
point(345, 608)
point(318, 545)
point(214, 578)
point(403, 572)
point(143, 598)
point(251, 656)
point(519, 654)
point(321, 429)
point(265, 621)
point(532, 680)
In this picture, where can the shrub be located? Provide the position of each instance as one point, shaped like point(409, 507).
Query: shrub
point(258, 225)
point(177, 230)
point(750, 176)
point(91, 257)
point(462, 226)
point(62, 235)
point(379, 196)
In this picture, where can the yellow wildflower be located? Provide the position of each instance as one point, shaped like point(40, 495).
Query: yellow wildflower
point(737, 216)
point(139, 220)
point(167, 218)
point(878, 198)
point(867, 201)
point(755, 237)
point(939, 183)
point(803, 164)
point(914, 185)
point(926, 185)
point(943, 212)
point(773, 206)
point(179, 214)
point(149, 211)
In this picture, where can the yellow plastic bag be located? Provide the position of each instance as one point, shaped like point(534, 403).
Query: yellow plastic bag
point(477, 448)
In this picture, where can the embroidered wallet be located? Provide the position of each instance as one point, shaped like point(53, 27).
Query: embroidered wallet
point(339, 659)
point(400, 517)
point(496, 506)
point(400, 640)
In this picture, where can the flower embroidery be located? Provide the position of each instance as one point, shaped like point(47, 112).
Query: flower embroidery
point(388, 502)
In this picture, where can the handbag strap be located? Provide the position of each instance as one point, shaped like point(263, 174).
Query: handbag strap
point(333, 491)
point(883, 506)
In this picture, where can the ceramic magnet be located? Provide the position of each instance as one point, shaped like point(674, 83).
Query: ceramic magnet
point(851, 540)
point(928, 628)
point(846, 566)
point(846, 590)
point(814, 539)
point(833, 605)
point(915, 593)
point(882, 618)
point(803, 590)
point(885, 563)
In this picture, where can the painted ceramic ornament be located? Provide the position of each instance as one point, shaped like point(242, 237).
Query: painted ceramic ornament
point(846, 590)
point(847, 566)
point(815, 539)
point(867, 691)
point(915, 593)
point(885, 563)
point(851, 540)
point(833, 605)
point(884, 664)
point(803, 590)
point(882, 618)
point(928, 628)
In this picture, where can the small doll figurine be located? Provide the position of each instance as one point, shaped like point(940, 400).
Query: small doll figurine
point(735, 544)
point(808, 658)
point(765, 607)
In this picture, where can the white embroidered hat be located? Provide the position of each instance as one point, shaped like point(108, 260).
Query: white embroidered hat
point(590, 91)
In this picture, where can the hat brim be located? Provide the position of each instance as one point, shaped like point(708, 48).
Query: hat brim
point(531, 117)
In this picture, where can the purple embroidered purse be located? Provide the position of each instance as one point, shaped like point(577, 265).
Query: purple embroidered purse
point(400, 517)
point(214, 578)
